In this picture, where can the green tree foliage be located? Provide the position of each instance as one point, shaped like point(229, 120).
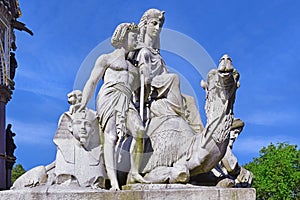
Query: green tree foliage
point(17, 171)
point(277, 172)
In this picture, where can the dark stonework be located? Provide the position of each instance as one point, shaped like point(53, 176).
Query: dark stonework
point(5, 96)
point(10, 145)
point(13, 65)
point(9, 12)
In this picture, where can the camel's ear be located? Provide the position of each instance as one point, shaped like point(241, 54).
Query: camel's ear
point(203, 84)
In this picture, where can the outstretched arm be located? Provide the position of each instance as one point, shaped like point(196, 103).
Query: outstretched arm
point(96, 74)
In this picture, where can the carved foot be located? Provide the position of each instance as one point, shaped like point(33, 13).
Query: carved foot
point(179, 174)
point(244, 179)
point(114, 187)
point(226, 183)
point(135, 178)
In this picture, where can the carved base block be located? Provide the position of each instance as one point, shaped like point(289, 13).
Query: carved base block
point(135, 192)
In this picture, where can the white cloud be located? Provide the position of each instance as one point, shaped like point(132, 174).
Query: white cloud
point(44, 83)
point(270, 118)
point(33, 133)
point(252, 144)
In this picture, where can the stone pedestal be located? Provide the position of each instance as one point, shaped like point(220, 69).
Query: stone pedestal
point(2, 146)
point(136, 192)
point(10, 161)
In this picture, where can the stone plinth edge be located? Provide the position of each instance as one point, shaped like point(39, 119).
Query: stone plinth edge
point(150, 191)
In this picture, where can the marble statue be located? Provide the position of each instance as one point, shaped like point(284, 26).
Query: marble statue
point(159, 84)
point(34, 177)
point(79, 158)
point(230, 168)
point(140, 104)
point(228, 172)
point(164, 111)
point(205, 150)
point(79, 150)
point(114, 104)
point(74, 99)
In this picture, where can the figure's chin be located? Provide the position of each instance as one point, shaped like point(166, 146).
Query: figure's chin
point(154, 35)
point(82, 141)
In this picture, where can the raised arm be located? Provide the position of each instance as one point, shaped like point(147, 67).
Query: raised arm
point(96, 74)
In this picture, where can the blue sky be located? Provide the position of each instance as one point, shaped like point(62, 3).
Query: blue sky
point(262, 37)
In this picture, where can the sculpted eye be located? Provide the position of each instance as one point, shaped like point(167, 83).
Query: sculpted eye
point(87, 124)
point(154, 23)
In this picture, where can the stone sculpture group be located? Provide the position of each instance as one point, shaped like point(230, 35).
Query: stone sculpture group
point(144, 130)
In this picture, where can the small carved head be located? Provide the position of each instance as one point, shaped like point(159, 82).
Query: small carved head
point(236, 128)
point(125, 36)
point(74, 97)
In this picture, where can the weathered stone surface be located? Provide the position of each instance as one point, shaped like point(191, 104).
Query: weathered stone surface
point(136, 192)
point(32, 178)
point(114, 104)
point(140, 98)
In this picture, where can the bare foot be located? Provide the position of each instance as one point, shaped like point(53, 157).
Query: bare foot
point(135, 178)
point(114, 187)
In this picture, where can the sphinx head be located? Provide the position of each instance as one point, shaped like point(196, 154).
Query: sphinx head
point(82, 126)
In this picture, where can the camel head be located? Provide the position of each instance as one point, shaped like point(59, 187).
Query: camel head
point(220, 87)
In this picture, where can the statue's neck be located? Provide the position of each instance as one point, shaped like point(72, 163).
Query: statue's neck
point(151, 42)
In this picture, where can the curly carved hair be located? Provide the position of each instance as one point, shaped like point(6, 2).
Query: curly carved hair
point(118, 38)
